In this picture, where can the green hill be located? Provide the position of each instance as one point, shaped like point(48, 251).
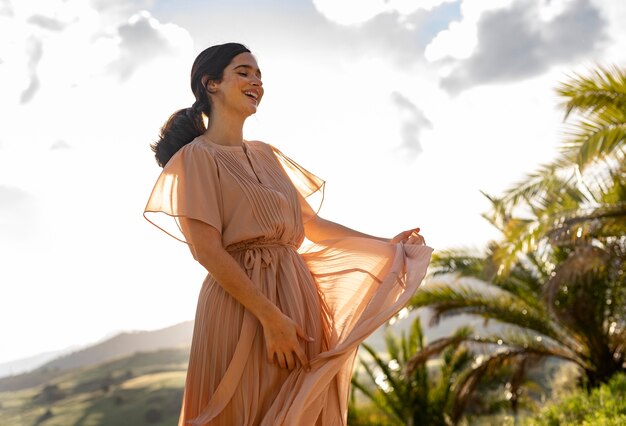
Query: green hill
point(142, 389)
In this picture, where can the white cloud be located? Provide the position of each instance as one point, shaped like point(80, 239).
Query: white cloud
point(143, 39)
point(17, 214)
point(47, 22)
point(354, 12)
point(615, 13)
point(91, 195)
point(6, 8)
point(34, 53)
point(60, 145)
point(458, 41)
point(516, 42)
point(413, 123)
point(72, 71)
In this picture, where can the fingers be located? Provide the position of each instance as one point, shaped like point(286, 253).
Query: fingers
point(281, 360)
point(401, 237)
point(300, 332)
point(290, 361)
point(405, 236)
point(416, 239)
point(283, 354)
point(304, 361)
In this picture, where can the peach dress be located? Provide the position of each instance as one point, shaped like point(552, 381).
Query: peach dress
point(338, 291)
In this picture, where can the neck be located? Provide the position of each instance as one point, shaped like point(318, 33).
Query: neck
point(225, 129)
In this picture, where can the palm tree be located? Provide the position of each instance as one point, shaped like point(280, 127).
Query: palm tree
point(556, 280)
point(583, 189)
point(413, 394)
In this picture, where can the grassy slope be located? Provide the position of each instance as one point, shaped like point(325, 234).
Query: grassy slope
point(115, 393)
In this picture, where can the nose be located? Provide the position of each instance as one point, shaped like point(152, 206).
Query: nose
point(256, 81)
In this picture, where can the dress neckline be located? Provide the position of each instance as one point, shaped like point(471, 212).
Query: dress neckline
point(240, 148)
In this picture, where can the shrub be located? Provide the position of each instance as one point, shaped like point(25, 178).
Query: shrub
point(603, 406)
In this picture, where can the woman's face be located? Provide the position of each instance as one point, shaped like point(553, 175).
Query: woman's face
point(241, 88)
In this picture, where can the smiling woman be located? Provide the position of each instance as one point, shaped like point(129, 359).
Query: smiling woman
point(277, 326)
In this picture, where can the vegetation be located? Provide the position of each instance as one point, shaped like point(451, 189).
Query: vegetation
point(554, 284)
point(405, 386)
point(142, 389)
point(555, 280)
point(409, 393)
point(604, 406)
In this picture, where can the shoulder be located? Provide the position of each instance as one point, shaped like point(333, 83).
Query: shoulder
point(259, 145)
point(195, 153)
point(263, 147)
point(265, 150)
point(198, 149)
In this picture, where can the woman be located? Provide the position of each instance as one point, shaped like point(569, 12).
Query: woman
point(276, 330)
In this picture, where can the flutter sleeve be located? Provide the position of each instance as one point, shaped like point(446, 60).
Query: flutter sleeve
point(187, 187)
point(310, 187)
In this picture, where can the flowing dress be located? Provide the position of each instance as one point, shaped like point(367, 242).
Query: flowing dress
point(338, 291)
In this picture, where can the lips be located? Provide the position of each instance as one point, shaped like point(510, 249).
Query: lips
point(252, 94)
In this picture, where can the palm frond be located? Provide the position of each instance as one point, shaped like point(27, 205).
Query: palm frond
point(537, 188)
point(466, 384)
point(448, 300)
point(590, 141)
point(460, 261)
point(386, 371)
point(604, 87)
point(600, 98)
point(436, 347)
point(606, 220)
point(386, 401)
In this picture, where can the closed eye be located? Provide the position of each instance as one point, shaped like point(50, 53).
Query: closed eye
point(247, 69)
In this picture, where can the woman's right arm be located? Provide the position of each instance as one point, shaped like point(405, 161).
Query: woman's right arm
point(281, 333)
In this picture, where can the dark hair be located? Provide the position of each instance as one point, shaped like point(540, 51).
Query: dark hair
point(187, 123)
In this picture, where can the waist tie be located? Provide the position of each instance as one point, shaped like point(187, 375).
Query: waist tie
point(256, 257)
point(256, 254)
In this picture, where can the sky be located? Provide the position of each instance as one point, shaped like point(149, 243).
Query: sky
point(407, 108)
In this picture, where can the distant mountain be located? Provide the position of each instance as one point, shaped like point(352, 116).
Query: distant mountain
point(145, 388)
point(125, 344)
point(121, 345)
point(23, 365)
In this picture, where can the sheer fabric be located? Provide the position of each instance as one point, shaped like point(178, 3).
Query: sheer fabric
point(338, 291)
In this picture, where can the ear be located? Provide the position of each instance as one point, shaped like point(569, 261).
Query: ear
point(209, 85)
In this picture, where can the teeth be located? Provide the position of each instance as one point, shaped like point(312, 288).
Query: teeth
point(254, 95)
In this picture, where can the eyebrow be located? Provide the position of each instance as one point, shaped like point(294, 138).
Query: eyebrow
point(258, 71)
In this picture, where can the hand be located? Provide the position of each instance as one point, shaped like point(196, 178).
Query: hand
point(281, 339)
point(411, 236)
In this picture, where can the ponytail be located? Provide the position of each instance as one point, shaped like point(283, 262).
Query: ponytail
point(181, 128)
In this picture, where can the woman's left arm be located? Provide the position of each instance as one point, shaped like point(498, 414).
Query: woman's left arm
point(319, 229)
